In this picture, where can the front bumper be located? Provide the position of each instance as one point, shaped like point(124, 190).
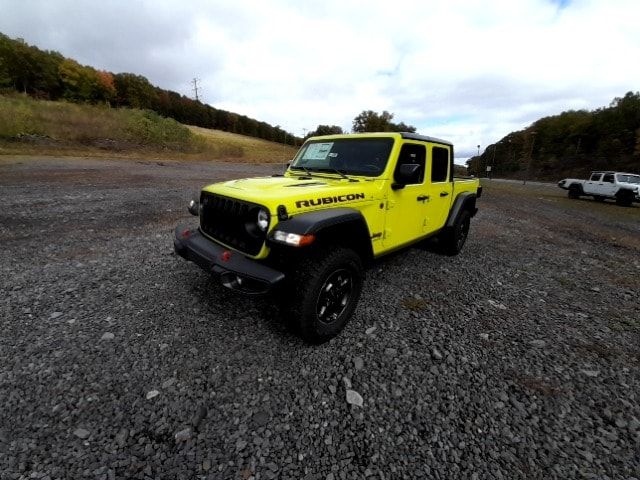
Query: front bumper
point(234, 270)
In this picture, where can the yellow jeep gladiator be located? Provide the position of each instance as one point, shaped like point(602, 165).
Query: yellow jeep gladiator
point(344, 201)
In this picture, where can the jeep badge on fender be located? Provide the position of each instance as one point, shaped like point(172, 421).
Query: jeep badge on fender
point(344, 201)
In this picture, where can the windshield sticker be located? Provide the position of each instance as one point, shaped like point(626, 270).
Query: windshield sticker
point(318, 151)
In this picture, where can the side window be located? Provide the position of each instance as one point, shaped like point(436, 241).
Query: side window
point(413, 153)
point(595, 177)
point(608, 177)
point(439, 164)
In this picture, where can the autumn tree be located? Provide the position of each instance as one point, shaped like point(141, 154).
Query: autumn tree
point(134, 91)
point(370, 121)
point(80, 83)
point(106, 86)
point(325, 130)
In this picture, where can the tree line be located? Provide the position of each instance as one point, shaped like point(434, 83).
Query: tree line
point(49, 75)
point(571, 143)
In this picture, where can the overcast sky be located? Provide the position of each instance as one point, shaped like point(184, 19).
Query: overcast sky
point(469, 71)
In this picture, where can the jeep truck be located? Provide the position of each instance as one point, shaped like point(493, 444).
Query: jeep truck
point(344, 201)
point(624, 188)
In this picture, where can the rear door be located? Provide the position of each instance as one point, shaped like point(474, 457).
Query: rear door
point(609, 187)
point(439, 188)
point(592, 186)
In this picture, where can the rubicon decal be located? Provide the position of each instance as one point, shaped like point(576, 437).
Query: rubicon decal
point(327, 200)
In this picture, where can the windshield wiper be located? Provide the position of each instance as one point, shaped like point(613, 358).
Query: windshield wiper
point(339, 172)
point(306, 170)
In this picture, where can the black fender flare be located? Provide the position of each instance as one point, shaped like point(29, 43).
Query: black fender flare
point(578, 186)
point(345, 225)
point(624, 192)
point(464, 201)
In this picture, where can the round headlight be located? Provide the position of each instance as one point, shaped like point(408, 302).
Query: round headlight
point(263, 219)
point(194, 207)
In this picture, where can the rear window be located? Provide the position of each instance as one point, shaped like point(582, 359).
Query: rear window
point(595, 177)
point(439, 164)
point(629, 178)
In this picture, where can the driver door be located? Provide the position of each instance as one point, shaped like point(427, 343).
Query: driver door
point(405, 207)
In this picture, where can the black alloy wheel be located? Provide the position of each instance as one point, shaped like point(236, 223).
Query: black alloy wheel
point(334, 296)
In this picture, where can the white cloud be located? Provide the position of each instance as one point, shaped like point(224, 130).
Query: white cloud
point(467, 70)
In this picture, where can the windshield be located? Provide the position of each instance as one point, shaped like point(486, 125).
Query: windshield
point(629, 178)
point(349, 156)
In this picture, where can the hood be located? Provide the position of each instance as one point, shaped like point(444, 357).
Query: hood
point(297, 194)
point(632, 186)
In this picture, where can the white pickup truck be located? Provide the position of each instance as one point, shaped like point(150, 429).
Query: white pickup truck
point(624, 188)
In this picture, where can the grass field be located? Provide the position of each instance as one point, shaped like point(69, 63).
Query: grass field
point(29, 126)
point(253, 149)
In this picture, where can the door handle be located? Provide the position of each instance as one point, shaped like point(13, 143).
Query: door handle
point(422, 198)
point(444, 194)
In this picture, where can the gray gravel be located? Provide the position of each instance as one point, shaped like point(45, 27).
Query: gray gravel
point(502, 363)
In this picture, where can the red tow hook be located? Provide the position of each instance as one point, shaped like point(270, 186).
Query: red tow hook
point(225, 256)
point(186, 233)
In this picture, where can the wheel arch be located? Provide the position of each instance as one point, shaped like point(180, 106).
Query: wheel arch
point(346, 227)
point(577, 186)
point(464, 201)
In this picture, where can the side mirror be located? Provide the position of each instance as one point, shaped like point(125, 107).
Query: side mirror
point(405, 174)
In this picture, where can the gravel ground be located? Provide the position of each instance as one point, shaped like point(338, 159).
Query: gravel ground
point(519, 358)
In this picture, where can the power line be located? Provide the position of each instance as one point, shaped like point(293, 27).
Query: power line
point(194, 82)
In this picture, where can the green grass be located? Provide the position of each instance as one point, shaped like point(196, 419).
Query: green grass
point(69, 123)
point(29, 126)
point(253, 149)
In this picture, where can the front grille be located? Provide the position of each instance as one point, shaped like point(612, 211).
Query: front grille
point(232, 222)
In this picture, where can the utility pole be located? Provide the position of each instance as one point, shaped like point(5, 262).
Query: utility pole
point(194, 82)
point(533, 139)
point(493, 160)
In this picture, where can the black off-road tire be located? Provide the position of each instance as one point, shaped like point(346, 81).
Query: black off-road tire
point(453, 239)
point(574, 191)
point(322, 293)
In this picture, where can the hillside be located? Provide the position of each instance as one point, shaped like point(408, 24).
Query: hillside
point(30, 126)
point(569, 144)
point(50, 75)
